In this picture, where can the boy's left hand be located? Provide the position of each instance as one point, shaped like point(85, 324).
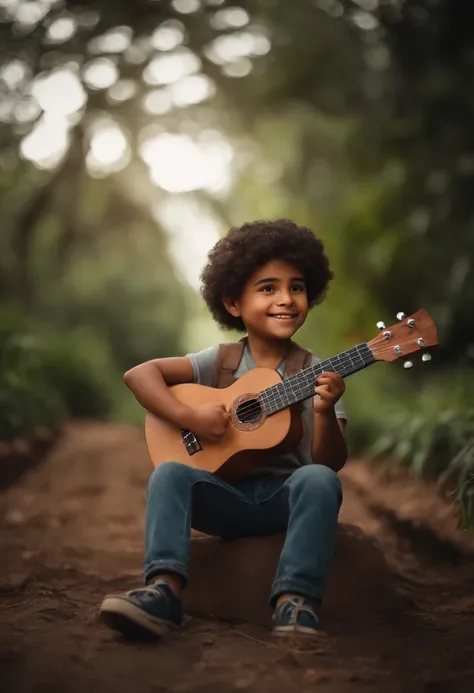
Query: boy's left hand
point(330, 387)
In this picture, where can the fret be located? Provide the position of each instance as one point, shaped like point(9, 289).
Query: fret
point(299, 387)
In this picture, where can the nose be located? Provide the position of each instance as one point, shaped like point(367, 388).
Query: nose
point(285, 298)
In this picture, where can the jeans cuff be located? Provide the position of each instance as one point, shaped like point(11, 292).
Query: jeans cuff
point(310, 590)
point(157, 567)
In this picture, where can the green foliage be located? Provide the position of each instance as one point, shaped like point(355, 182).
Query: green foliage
point(46, 377)
point(79, 367)
point(432, 433)
point(25, 398)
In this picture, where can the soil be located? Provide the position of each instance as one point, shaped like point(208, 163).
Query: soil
point(72, 531)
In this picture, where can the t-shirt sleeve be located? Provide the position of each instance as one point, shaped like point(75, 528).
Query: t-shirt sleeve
point(339, 408)
point(203, 365)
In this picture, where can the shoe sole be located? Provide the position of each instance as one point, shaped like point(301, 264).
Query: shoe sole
point(126, 618)
point(285, 631)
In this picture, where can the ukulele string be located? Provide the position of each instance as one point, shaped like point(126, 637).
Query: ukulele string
point(254, 406)
point(345, 365)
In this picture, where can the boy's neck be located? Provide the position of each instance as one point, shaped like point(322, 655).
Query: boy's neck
point(268, 353)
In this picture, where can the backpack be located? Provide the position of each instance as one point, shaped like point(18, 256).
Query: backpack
point(230, 355)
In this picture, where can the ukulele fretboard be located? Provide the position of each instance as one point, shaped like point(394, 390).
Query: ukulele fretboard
point(299, 387)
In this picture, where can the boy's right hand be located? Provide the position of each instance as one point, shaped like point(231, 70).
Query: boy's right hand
point(209, 421)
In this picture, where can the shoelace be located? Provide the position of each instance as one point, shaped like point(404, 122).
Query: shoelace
point(298, 608)
point(148, 589)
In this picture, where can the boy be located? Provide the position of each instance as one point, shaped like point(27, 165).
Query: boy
point(261, 279)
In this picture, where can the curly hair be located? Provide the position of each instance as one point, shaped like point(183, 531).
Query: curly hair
point(244, 249)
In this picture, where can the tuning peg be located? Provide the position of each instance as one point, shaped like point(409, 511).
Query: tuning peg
point(407, 365)
point(401, 316)
point(380, 325)
point(426, 357)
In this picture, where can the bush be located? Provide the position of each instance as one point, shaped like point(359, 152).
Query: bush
point(26, 399)
point(433, 435)
point(46, 378)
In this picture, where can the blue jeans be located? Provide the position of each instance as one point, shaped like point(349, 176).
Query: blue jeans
point(305, 504)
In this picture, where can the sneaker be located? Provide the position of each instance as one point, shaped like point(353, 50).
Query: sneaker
point(295, 616)
point(149, 611)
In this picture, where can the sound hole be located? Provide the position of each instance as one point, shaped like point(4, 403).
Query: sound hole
point(249, 411)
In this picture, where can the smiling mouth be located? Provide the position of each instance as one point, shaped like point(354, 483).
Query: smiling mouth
point(283, 316)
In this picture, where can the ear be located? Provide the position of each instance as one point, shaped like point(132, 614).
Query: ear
point(232, 307)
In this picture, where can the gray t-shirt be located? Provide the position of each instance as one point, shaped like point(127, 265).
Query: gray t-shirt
point(203, 368)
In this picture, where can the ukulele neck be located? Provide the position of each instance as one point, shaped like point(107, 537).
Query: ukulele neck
point(299, 387)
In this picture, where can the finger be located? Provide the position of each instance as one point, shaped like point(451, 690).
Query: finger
point(330, 378)
point(327, 387)
point(332, 384)
point(324, 394)
point(324, 380)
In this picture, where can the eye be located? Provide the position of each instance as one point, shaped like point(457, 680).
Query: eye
point(267, 289)
point(298, 288)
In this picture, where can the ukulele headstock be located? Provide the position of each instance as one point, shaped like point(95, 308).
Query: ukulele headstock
point(412, 333)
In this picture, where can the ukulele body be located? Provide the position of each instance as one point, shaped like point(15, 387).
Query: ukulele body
point(251, 435)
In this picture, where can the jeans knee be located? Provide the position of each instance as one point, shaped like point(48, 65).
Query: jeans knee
point(316, 478)
point(167, 475)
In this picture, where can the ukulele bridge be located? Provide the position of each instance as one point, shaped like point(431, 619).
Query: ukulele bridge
point(191, 442)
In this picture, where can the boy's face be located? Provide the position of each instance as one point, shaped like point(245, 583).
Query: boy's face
point(273, 303)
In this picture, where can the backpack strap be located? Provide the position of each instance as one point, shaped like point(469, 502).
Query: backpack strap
point(227, 362)
point(230, 355)
point(297, 359)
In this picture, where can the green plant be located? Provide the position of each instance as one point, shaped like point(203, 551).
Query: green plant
point(46, 377)
point(26, 399)
point(434, 441)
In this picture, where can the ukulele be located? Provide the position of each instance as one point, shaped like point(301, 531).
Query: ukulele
point(264, 410)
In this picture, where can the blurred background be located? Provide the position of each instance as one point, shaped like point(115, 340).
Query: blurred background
point(134, 134)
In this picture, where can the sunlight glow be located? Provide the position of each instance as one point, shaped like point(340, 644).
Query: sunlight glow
point(13, 73)
point(114, 41)
point(332, 7)
point(138, 51)
point(100, 73)
point(157, 102)
point(167, 36)
point(48, 142)
point(167, 69)
point(26, 110)
point(185, 92)
point(239, 68)
point(109, 150)
point(192, 90)
point(186, 6)
point(122, 90)
point(60, 93)
point(230, 18)
point(231, 48)
point(192, 233)
point(30, 13)
point(61, 30)
point(180, 164)
point(365, 20)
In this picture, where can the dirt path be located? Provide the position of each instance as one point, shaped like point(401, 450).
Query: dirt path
point(72, 531)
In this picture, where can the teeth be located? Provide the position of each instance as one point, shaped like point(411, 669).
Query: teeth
point(283, 317)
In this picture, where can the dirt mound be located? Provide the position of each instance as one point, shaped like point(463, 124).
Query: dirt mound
point(72, 530)
point(231, 579)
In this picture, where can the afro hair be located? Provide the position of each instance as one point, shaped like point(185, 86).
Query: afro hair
point(244, 249)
